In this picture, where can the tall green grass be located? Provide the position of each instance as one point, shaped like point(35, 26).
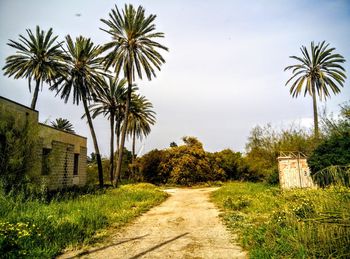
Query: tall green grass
point(36, 229)
point(300, 223)
point(333, 175)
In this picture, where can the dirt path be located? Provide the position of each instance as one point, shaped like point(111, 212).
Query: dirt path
point(186, 225)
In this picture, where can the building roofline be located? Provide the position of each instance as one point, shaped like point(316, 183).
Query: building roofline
point(48, 126)
point(8, 100)
point(11, 101)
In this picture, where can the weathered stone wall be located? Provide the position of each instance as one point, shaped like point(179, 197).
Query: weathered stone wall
point(60, 160)
point(64, 145)
point(21, 113)
point(82, 166)
point(61, 147)
point(294, 173)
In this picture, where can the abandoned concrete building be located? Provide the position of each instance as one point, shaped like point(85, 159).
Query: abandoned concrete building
point(61, 156)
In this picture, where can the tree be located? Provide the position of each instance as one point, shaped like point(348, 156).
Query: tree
point(108, 102)
point(63, 124)
point(18, 153)
point(133, 50)
point(83, 76)
point(141, 117)
point(173, 144)
point(188, 164)
point(334, 149)
point(229, 161)
point(149, 166)
point(319, 72)
point(92, 158)
point(37, 58)
point(264, 146)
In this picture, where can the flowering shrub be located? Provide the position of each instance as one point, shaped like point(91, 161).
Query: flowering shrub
point(189, 164)
point(304, 209)
point(15, 237)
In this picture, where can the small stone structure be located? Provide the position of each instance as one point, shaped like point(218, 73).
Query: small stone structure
point(294, 171)
point(60, 157)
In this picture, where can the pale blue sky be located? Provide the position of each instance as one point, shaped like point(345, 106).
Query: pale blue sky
point(224, 72)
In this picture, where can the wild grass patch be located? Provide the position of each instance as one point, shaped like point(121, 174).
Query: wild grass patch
point(271, 223)
point(37, 229)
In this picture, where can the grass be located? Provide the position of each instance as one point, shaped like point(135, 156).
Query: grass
point(35, 229)
point(192, 186)
point(300, 223)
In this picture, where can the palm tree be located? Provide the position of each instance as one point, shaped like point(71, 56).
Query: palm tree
point(133, 50)
point(63, 124)
point(319, 72)
point(141, 117)
point(84, 75)
point(108, 102)
point(37, 58)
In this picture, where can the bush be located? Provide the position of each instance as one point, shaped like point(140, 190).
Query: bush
point(264, 146)
point(333, 151)
point(18, 146)
point(185, 165)
point(92, 172)
point(148, 165)
point(189, 164)
point(228, 161)
point(330, 161)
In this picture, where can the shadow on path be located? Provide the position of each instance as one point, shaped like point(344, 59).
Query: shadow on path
point(159, 245)
point(105, 247)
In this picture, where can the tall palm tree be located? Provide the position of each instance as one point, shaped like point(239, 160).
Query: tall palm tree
point(119, 117)
point(108, 102)
point(319, 72)
point(63, 124)
point(133, 50)
point(37, 58)
point(141, 117)
point(84, 75)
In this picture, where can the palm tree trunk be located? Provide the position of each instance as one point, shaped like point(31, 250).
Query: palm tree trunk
point(124, 128)
point(117, 133)
point(133, 155)
point(133, 146)
point(35, 95)
point(315, 111)
point(117, 136)
point(93, 135)
point(111, 157)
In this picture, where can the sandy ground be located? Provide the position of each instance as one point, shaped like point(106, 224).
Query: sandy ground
point(186, 225)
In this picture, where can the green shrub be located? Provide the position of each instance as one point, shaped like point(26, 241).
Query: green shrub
point(92, 172)
point(36, 229)
point(184, 165)
point(332, 151)
point(189, 164)
point(18, 149)
point(264, 146)
point(330, 161)
point(148, 165)
point(300, 223)
point(228, 161)
point(333, 175)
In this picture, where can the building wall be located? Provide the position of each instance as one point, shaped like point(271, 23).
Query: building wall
point(60, 148)
point(21, 113)
point(63, 146)
point(294, 173)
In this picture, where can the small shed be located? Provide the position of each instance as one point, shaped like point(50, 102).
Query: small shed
point(294, 171)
